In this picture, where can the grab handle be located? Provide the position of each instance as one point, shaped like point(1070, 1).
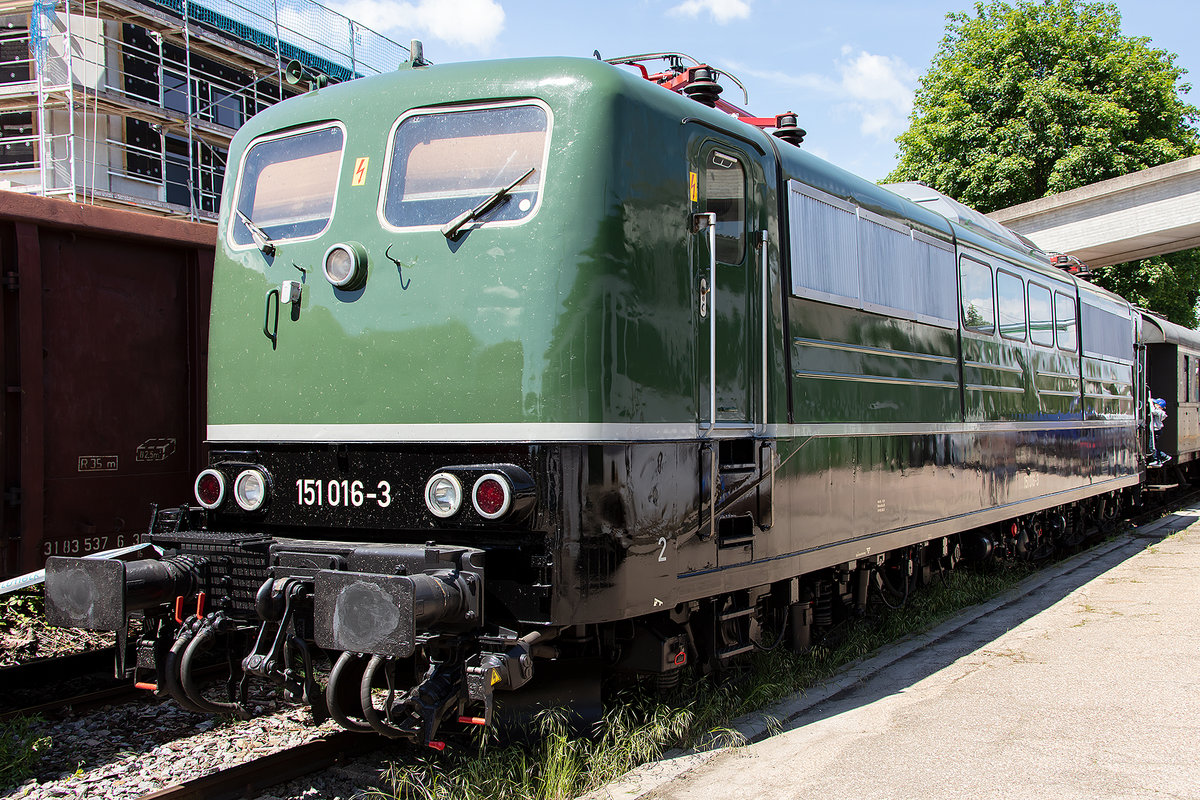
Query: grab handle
point(271, 326)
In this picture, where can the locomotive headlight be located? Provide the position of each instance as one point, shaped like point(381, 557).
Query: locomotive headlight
point(443, 495)
point(210, 488)
point(346, 265)
point(250, 489)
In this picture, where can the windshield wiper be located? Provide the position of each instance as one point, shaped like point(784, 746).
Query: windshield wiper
point(261, 240)
point(451, 228)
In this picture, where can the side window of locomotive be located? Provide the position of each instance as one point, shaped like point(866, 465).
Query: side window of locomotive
point(977, 298)
point(1065, 324)
point(725, 195)
point(445, 163)
point(1010, 300)
point(288, 184)
point(1041, 316)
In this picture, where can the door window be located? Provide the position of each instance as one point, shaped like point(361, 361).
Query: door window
point(725, 195)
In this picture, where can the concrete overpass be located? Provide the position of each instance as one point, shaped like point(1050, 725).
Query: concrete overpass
point(1142, 214)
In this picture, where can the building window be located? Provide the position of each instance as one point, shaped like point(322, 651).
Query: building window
point(174, 92)
point(226, 108)
point(178, 166)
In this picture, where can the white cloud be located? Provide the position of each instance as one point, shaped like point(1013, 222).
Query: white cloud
point(469, 23)
point(880, 90)
point(876, 89)
point(722, 11)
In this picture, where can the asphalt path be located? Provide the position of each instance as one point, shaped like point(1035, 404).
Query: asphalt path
point(1082, 682)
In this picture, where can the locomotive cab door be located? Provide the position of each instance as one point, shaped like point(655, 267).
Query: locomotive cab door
point(724, 257)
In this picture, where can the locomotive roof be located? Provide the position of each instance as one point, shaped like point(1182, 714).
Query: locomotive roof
point(575, 83)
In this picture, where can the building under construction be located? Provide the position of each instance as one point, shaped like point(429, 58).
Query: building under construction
point(133, 102)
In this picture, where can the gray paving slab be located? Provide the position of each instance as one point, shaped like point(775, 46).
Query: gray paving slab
point(1084, 682)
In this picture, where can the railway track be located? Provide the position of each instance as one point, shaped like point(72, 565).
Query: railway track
point(259, 775)
point(37, 687)
point(264, 772)
point(244, 780)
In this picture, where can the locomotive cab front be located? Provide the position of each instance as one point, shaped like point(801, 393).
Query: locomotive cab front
point(457, 311)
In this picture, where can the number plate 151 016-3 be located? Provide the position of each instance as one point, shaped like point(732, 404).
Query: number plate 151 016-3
point(343, 492)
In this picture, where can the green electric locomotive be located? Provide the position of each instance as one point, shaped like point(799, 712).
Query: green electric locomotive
point(558, 365)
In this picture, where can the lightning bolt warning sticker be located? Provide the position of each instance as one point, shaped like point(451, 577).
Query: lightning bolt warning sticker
point(360, 171)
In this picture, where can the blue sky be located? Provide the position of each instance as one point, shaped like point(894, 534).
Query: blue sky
point(847, 69)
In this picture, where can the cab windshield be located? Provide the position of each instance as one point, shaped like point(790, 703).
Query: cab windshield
point(288, 184)
point(443, 164)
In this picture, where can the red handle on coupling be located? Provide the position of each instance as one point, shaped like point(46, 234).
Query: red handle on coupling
point(200, 598)
point(438, 745)
point(472, 720)
point(150, 687)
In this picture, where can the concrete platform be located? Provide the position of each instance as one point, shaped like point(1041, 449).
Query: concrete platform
point(1084, 682)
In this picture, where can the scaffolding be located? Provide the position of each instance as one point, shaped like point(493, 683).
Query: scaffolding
point(134, 102)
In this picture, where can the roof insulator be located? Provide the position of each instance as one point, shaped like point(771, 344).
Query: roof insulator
point(787, 128)
point(701, 87)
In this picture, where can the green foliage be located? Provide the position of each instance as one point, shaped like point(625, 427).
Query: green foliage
point(1168, 285)
point(1035, 98)
point(639, 727)
point(20, 606)
point(20, 749)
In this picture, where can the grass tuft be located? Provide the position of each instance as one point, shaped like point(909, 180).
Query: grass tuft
point(20, 749)
point(638, 727)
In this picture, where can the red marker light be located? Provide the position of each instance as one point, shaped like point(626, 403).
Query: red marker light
point(210, 488)
point(491, 496)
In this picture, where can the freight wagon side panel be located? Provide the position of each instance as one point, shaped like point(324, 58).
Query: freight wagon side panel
point(105, 348)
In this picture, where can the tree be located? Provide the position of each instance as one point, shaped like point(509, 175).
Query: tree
point(1167, 285)
point(1025, 101)
point(1030, 99)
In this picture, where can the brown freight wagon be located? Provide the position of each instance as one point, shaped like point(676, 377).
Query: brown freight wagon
point(104, 319)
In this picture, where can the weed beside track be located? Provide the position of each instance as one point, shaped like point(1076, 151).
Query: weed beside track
point(553, 763)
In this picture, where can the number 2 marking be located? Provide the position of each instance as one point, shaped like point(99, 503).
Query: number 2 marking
point(662, 554)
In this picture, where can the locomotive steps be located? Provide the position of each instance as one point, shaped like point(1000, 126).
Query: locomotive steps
point(1071, 676)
